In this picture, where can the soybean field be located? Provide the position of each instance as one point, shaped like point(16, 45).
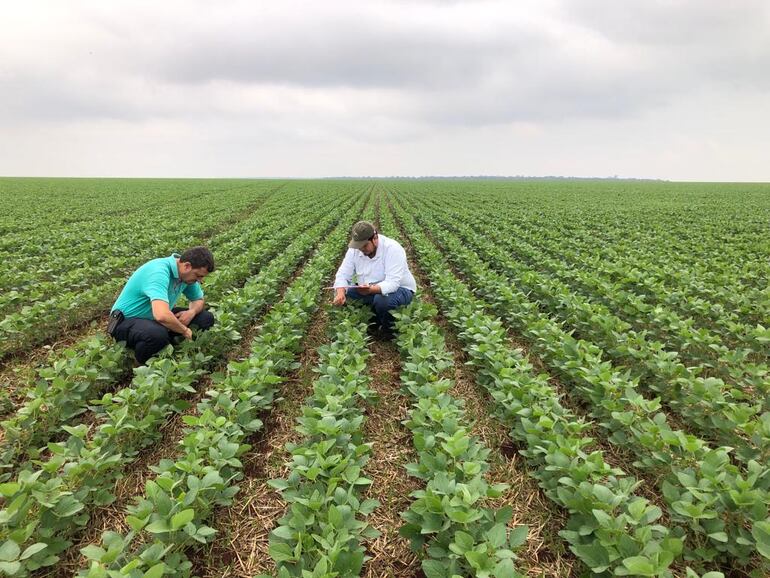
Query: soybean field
point(581, 386)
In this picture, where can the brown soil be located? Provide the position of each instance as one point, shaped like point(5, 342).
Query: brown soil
point(392, 449)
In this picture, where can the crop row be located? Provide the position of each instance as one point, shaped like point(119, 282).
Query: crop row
point(723, 509)
point(447, 523)
point(709, 247)
point(610, 526)
point(698, 256)
point(727, 414)
point(321, 532)
point(697, 286)
point(179, 502)
point(737, 354)
point(47, 506)
point(739, 361)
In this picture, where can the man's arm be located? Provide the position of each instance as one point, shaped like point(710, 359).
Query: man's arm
point(156, 290)
point(163, 315)
point(195, 307)
point(343, 276)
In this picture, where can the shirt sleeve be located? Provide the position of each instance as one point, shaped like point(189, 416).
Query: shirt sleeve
point(193, 292)
point(395, 269)
point(346, 270)
point(156, 287)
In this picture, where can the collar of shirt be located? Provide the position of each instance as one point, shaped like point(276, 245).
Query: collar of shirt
point(174, 270)
point(173, 265)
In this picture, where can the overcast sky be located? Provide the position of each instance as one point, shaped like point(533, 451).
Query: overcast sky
point(638, 88)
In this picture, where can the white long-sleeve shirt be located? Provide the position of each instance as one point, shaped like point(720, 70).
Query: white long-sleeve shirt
point(388, 268)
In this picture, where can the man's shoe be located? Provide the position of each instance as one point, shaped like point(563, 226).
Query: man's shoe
point(386, 335)
point(373, 330)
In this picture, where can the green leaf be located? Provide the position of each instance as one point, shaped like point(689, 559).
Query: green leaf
point(9, 489)
point(496, 535)
point(719, 536)
point(10, 568)
point(368, 506)
point(281, 552)
point(434, 569)
point(158, 527)
point(504, 514)
point(68, 507)
point(640, 566)
point(190, 419)
point(518, 536)
point(165, 483)
point(135, 563)
point(283, 532)
point(505, 569)
point(93, 552)
point(206, 531)
point(278, 484)
point(594, 555)
point(464, 541)
point(761, 533)
point(478, 560)
point(183, 518)
point(335, 516)
point(135, 523)
point(9, 551)
point(156, 571)
point(32, 550)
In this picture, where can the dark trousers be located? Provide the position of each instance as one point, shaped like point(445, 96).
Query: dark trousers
point(147, 337)
point(382, 305)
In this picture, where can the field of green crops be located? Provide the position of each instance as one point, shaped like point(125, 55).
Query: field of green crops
point(582, 386)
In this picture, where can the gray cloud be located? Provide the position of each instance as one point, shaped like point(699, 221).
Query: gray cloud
point(680, 23)
point(373, 73)
point(706, 42)
point(351, 46)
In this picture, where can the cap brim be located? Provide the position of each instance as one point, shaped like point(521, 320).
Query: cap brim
point(357, 244)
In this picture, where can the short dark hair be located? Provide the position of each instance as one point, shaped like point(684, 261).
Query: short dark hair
point(198, 257)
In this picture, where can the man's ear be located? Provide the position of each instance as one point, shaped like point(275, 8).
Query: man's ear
point(185, 267)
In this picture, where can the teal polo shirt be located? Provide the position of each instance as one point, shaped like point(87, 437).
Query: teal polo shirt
point(156, 279)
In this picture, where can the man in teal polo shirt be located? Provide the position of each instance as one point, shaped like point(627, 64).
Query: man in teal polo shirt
point(144, 315)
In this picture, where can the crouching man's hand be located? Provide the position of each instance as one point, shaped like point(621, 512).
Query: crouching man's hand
point(368, 289)
point(185, 317)
point(339, 297)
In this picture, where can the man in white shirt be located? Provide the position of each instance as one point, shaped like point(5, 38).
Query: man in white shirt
point(383, 279)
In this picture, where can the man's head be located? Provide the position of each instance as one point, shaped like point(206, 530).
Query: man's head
point(364, 238)
point(195, 264)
